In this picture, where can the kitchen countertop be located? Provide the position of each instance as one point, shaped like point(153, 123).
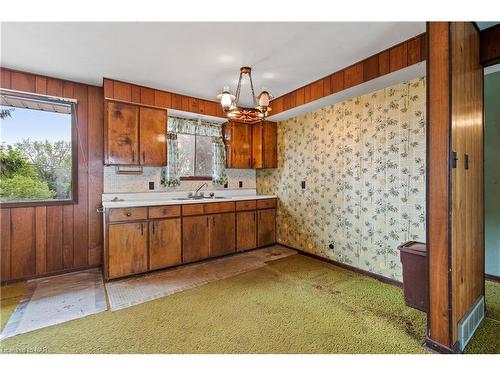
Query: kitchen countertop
point(165, 199)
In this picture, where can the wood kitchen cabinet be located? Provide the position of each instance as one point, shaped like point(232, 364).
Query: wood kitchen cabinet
point(266, 227)
point(222, 234)
point(153, 130)
point(250, 146)
point(195, 238)
point(134, 135)
point(121, 134)
point(238, 142)
point(246, 230)
point(265, 145)
point(165, 248)
point(127, 249)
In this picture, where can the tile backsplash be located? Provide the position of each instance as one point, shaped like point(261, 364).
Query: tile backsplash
point(116, 183)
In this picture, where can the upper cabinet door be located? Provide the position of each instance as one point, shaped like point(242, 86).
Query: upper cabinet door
point(257, 137)
point(153, 130)
point(122, 134)
point(238, 138)
point(270, 145)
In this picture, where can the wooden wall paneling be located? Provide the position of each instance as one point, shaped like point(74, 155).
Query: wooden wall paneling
point(176, 101)
point(299, 97)
point(22, 81)
point(185, 105)
point(414, 51)
point(384, 63)
point(41, 239)
point(23, 252)
point(327, 86)
point(423, 47)
point(163, 99)
point(438, 130)
point(147, 96)
point(80, 218)
point(307, 94)
point(317, 90)
point(490, 46)
point(54, 240)
point(5, 244)
point(398, 57)
point(5, 78)
point(122, 91)
point(108, 88)
point(337, 81)
point(370, 68)
point(353, 75)
point(459, 132)
point(136, 93)
point(277, 105)
point(41, 85)
point(210, 108)
point(68, 236)
point(95, 174)
point(55, 87)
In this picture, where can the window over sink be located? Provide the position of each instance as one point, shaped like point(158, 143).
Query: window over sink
point(195, 156)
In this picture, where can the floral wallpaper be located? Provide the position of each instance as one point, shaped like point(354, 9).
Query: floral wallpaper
point(363, 162)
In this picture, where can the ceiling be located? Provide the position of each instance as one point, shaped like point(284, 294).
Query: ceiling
point(196, 58)
point(486, 25)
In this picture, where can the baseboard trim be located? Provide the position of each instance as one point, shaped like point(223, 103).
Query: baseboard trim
point(385, 280)
point(492, 278)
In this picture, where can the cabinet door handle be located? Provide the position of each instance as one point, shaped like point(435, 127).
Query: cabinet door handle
point(142, 229)
point(207, 221)
point(153, 227)
point(466, 161)
point(213, 220)
point(133, 155)
point(144, 156)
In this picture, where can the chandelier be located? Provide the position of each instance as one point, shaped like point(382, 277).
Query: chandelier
point(250, 115)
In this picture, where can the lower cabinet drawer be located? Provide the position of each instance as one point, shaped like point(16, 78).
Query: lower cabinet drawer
point(266, 203)
point(246, 205)
point(164, 211)
point(126, 214)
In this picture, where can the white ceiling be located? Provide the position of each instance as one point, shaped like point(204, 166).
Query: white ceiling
point(196, 58)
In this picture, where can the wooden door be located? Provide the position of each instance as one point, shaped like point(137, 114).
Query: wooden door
point(153, 130)
point(246, 230)
point(122, 134)
point(266, 227)
point(222, 234)
point(195, 238)
point(164, 243)
point(127, 249)
point(239, 153)
point(257, 137)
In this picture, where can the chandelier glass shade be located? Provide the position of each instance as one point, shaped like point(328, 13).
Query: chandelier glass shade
point(250, 115)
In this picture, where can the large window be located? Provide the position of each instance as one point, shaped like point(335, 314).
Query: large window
point(195, 156)
point(36, 150)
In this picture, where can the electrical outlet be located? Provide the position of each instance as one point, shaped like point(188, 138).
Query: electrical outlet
point(303, 184)
point(225, 185)
point(151, 185)
point(241, 184)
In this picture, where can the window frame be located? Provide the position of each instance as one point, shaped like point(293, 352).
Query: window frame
point(196, 178)
point(73, 103)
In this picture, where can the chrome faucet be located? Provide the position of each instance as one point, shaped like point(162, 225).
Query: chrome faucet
point(199, 188)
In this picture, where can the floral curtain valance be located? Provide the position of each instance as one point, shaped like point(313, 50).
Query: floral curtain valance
point(198, 127)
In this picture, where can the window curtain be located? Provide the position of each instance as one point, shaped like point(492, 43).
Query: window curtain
point(170, 173)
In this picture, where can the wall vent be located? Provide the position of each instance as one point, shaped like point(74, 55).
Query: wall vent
point(469, 323)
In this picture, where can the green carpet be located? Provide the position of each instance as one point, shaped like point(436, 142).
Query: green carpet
point(295, 305)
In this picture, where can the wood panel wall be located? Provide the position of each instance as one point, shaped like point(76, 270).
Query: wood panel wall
point(467, 240)
point(131, 93)
point(454, 194)
point(400, 56)
point(45, 240)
